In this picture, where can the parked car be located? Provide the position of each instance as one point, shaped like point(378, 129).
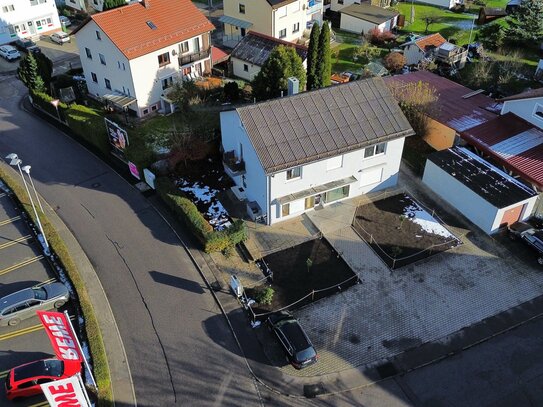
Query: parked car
point(25, 380)
point(60, 37)
point(529, 235)
point(67, 22)
point(26, 44)
point(9, 52)
point(23, 304)
point(293, 339)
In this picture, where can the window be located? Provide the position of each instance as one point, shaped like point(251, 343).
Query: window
point(242, 8)
point(336, 194)
point(184, 47)
point(296, 28)
point(145, 111)
point(98, 35)
point(283, 33)
point(187, 71)
point(102, 59)
point(164, 59)
point(294, 173)
point(245, 67)
point(108, 83)
point(166, 83)
point(121, 65)
point(334, 162)
point(339, 1)
point(151, 25)
point(36, 2)
point(8, 8)
point(538, 111)
point(196, 44)
point(285, 210)
point(154, 107)
point(94, 77)
point(88, 52)
point(375, 150)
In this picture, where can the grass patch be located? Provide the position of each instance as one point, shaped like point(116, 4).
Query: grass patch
point(92, 328)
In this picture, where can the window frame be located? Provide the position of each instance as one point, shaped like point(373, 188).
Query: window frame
point(373, 151)
point(296, 28)
point(291, 173)
point(283, 33)
point(98, 35)
point(88, 53)
point(241, 8)
point(164, 59)
point(182, 46)
point(102, 59)
point(108, 83)
point(94, 77)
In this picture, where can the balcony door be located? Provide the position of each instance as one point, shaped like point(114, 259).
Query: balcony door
point(196, 44)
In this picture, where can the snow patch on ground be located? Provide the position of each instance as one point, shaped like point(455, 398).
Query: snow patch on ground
point(427, 222)
point(216, 214)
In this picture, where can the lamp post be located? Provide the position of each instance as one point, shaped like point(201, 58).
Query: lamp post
point(26, 169)
point(471, 30)
point(55, 102)
point(15, 161)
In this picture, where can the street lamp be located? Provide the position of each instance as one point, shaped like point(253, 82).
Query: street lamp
point(15, 161)
point(26, 169)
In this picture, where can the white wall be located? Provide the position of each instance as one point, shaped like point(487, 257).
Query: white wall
point(413, 54)
point(237, 69)
point(439, 3)
point(76, 4)
point(295, 13)
point(526, 213)
point(355, 25)
point(525, 108)
point(26, 21)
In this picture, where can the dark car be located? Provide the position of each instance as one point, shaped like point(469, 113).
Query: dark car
point(529, 235)
point(25, 44)
point(296, 344)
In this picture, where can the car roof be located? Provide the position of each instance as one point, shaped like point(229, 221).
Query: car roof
point(8, 47)
point(295, 334)
point(33, 369)
point(16, 297)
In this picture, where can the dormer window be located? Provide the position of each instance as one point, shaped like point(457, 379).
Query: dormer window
point(151, 25)
point(538, 111)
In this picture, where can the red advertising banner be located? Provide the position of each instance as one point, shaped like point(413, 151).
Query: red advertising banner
point(65, 393)
point(63, 339)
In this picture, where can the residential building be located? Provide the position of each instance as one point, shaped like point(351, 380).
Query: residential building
point(434, 47)
point(528, 105)
point(337, 5)
point(362, 18)
point(254, 50)
point(79, 5)
point(139, 50)
point(442, 3)
point(292, 154)
point(27, 19)
point(282, 19)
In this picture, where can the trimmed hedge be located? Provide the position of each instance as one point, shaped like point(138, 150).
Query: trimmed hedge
point(211, 240)
point(92, 328)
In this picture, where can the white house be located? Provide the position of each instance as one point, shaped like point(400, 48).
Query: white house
point(484, 194)
point(79, 5)
point(253, 50)
point(27, 19)
point(132, 54)
point(528, 105)
point(283, 19)
point(414, 51)
point(362, 18)
point(291, 154)
point(442, 3)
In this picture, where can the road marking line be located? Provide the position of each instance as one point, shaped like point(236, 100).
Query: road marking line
point(20, 332)
point(7, 221)
point(4, 373)
point(22, 264)
point(51, 280)
point(42, 404)
point(14, 242)
point(2, 195)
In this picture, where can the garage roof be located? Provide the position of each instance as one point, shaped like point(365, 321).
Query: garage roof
point(491, 184)
point(367, 12)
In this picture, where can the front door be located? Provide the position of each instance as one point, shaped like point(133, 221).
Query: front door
point(243, 32)
point(31, 28)
point(309, 202)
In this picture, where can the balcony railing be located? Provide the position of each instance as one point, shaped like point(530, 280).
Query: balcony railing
point(313, 6)
point(195, 56)
point(233, 165)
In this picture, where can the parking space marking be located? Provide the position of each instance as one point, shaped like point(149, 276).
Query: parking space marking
point(14, 242)
point(8, 221)
point(22, 264)
point(3, 374)
point(24, 331)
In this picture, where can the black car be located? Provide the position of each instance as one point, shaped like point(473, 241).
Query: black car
point(296, 344)
point(27, 45)
point(529, 235)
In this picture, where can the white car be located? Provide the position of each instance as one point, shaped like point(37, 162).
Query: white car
point(10, 53)
point(60, 37)
point(67, 22)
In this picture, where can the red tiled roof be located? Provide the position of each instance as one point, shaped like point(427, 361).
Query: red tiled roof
point(533, 93)
point(430, 41)
point(175, 21)
point(513, 142)
point(453, 110)
point(218, 55)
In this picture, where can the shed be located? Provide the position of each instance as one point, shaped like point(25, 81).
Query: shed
point(362, 18)
point(487, 14)
point(485, 195)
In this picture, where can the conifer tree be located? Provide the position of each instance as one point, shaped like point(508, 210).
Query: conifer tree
point(312, 55)
point(28, 74)
point(526, 23)
point(324, 60)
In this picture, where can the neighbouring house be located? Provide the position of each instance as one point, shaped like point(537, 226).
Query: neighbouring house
point(362, 18)
point(292, 154)
point(27, 19)
point(484, 194)
point(168, 40)
point(487, 14)
point(457, 108)
point(79, 5)
point(337, 5)
point(435, 47)
point(443, 3)
point(282, 19)
point(528, 105)
point(253, 50)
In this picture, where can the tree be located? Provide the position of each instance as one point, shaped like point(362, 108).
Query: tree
point(366, 51)
point(29, 75)
point(183, 94)
point(430, 18)
point(394, 61)
point(109, 4)
point(492, 35)
point(45, 68)
point(526, 23)
point(324, 61)
point(312, 55)
point(282, 63)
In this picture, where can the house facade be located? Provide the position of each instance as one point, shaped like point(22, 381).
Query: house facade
point(442, 3)
point(285, 20)
point(362, 18)
point(168, 41)
point(336, 5)
point(27, 19)
point(528, 105)
point(292, 154)
point(79, 5)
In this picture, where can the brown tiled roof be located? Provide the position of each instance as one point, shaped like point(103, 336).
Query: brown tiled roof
point(279, 3)
point(533, 93)
point(452, 109)
point(128, 26)
point(256, 48)
point(367, 12)
point(430, 41)
point(311, 126)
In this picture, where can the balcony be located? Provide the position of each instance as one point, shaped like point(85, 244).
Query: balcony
point(233, 166)
point(313, 6)
point(195, 56)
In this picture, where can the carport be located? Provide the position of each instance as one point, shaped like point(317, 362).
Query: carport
point(485, 195)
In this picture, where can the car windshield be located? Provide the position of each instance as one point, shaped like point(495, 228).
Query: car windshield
point(40, 293)
point(306, 354)
point(49, 367)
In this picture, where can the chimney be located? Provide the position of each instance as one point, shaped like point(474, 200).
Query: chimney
point(146, 3)
point(293, 85)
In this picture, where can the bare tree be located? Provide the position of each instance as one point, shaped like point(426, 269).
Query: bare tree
point(430, 18)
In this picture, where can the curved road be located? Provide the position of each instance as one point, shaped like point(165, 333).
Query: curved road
point(178, 345)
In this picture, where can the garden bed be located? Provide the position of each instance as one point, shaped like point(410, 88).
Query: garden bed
point(293, 280)
point(401, 231)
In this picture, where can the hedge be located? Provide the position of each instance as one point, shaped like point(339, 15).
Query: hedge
point(92, 328)
point(211, 240)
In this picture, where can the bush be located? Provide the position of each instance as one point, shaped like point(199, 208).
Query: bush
point(264, 295)
point(394, 61)
point(376, 37)
point(88, 124)
point(231, 91)
point(492, 35)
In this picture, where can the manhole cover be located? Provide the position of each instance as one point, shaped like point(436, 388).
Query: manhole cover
point(386, 370)
point(313, 390)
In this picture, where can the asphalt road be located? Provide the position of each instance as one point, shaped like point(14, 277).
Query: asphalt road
point(178, 346)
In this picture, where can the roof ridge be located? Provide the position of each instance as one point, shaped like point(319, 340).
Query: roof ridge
point(268, 37)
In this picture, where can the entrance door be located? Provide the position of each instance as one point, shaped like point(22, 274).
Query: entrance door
point(309, 202)
point(512, 215)
point(31, 28)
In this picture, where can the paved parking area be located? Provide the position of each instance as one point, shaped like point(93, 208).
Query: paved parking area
point(21, 266)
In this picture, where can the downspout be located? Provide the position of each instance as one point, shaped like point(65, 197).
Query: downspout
point(268, 203)
point(273, 22)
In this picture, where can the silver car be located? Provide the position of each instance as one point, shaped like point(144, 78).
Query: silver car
point(24, 304)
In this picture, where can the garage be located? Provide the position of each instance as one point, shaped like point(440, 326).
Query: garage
point(362, 18)
point(484, 194)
